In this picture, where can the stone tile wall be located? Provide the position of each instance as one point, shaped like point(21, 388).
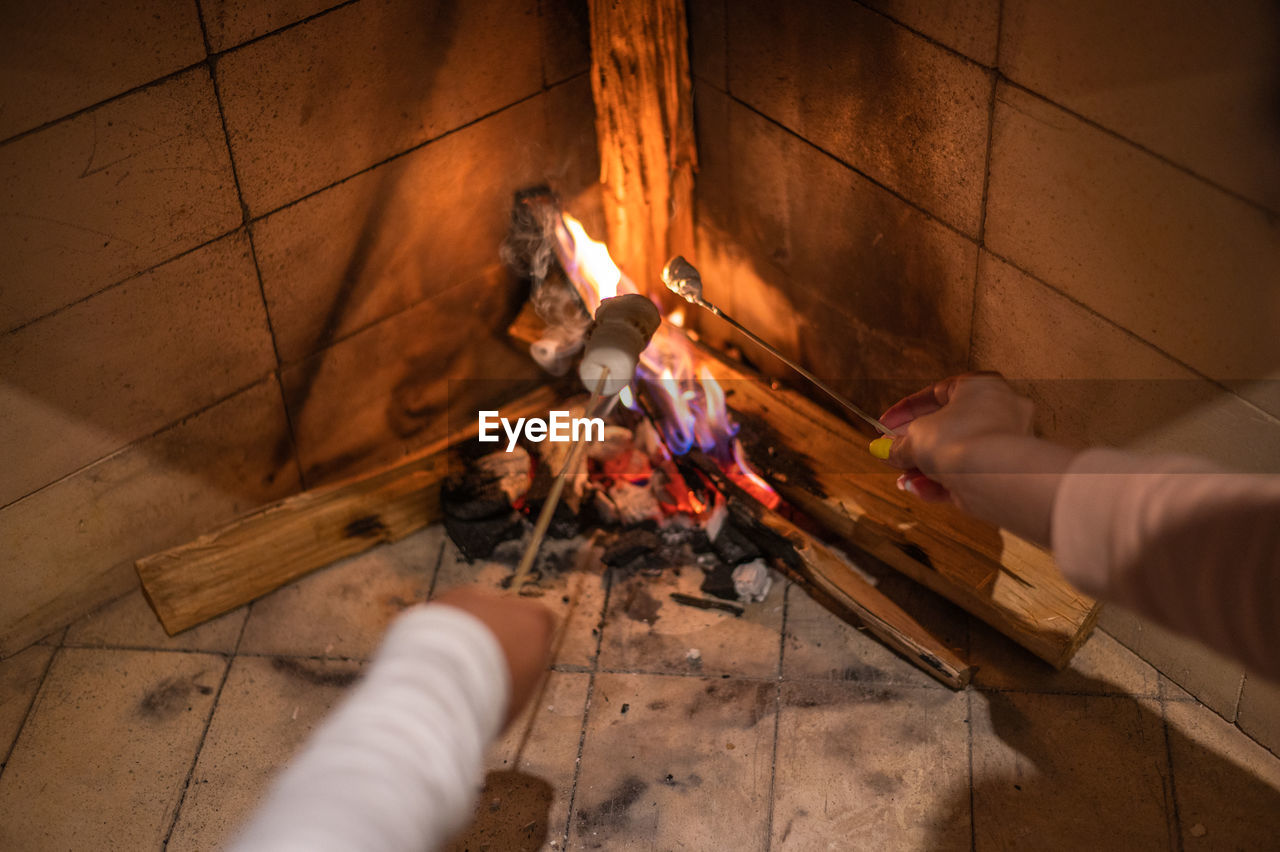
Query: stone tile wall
point(246, 245)
point(1085, 197)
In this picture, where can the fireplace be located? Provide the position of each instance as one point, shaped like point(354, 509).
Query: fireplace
point(247, 262)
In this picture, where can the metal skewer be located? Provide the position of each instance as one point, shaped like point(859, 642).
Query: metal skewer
point(683, 279)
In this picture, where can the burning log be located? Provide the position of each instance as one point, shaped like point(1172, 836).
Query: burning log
point(815, 565)
point(829, 476)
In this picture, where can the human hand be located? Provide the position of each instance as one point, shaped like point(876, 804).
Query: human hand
point(938, 425)
point(523, 628)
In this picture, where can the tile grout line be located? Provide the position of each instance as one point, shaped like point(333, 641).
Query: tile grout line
point(777, 714)
point(31, 706)
point(973, 816)
point(1129, 332)
point(132, 276)
point(208, 723)
point(154, 434)
point(245, 220)
point(253, 219)
point(1257, 206)
point(1175, 841)
point(935, 42)
point(986, 183)
point(586, 710)
point(76, 113)
point(914, 205)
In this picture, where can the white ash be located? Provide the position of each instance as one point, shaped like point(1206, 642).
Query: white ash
point(509, 470)
point(634, 503)
point(752, 581)
point(715, 523)
point(693, 655)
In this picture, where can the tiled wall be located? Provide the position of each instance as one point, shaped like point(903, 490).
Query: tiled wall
point(244, 246)
point(1085, 197)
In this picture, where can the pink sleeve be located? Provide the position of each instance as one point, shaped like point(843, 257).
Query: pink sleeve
point(1187, 544)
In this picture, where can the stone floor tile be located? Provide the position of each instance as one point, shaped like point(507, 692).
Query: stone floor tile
point(343, 610)
point(1227, 786)
point(129, 622)
point(1102, 666)
point(103, 758)
point(20, 677)
point(820, 645)
point(529, 780)
point(1069, 772)
point(572, 588)
point(644, 630)
point(871, 766)
point(267, 709)
point(675, 762)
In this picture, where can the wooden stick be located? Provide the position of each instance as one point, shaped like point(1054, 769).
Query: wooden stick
point(274, 545)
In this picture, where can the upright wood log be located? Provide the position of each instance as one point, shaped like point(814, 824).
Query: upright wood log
point(644, 124)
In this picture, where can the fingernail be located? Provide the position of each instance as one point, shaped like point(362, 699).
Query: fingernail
point(905, 483)
point(902, 482)
point(880, 447)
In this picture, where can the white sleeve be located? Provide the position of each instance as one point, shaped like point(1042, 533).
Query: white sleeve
point(398, 764)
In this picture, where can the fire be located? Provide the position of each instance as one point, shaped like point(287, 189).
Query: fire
point(593, 262)
point(694, 411)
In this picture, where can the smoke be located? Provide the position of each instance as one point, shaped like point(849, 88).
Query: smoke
point(529, 251)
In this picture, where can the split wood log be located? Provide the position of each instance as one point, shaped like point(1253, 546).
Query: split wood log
point(644, 128)
point(819, 463)
point(817, 566)
point(261, 551)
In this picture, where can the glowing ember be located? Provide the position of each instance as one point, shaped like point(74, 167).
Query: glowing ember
point(593, 264)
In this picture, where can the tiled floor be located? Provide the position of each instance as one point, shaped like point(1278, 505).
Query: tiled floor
point(785, 730)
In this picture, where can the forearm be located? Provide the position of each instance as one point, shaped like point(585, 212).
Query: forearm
point(397, 765)
point(1010, 481)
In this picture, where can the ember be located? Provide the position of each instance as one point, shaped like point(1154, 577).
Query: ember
point(632, 483)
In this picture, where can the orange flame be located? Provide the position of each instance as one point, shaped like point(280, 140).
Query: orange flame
point(694, 410)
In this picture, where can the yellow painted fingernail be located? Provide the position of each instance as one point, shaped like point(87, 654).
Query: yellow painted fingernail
point(880, 447)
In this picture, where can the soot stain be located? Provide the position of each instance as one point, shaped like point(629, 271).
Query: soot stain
point(614, 812)
point(169, 697)
point(882, 783)
point(770, 454)
point(315, 675)
point(754, 699)
point(370, 526)
point(642, 606)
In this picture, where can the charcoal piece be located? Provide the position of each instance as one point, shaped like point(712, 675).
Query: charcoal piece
point(699, 541)
point(470, 497)
point(564, 522)
point(733, 546)
point(629, 545)
point(478, 539)
point(719, 582)
point(707, 603)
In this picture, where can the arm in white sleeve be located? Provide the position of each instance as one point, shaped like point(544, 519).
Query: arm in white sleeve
point(1187, 544)
point(398, 764)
